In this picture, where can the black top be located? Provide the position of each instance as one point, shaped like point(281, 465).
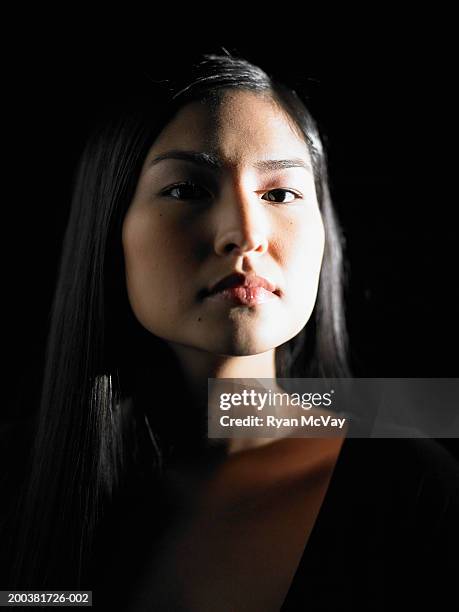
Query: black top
point(386, 535)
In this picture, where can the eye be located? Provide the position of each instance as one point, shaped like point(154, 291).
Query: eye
point(279, 193)
point(188, 189)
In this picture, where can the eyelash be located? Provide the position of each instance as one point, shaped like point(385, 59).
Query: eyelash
point(165, 192)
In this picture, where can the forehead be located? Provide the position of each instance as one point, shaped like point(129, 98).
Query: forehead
point(241, 126)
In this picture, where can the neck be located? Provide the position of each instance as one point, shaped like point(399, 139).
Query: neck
point(197, 366)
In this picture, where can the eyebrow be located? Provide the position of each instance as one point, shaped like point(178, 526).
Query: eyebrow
point(214, 162)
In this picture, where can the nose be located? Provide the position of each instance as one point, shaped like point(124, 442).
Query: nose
point(241, 223)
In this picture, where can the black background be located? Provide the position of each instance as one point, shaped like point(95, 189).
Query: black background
point(385, 107)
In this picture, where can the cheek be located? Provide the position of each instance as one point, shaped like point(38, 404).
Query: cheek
point(303, 255)
point(157, 266)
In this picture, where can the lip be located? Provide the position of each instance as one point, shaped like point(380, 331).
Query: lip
point(243, 289)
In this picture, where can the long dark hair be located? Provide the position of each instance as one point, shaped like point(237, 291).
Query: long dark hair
point(96, 350)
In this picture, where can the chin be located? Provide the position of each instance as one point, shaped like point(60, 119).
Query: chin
point(239, 345)
point(244, 351)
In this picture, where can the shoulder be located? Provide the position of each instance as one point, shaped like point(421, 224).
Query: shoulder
point(435, 474)
point(400, 500)
point(414, 477)
point(401, 457)
point(427, 460)
point(421, 455)
point(413, 485)
point(437, 491)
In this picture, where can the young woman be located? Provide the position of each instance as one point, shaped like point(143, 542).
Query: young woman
point(216, 175)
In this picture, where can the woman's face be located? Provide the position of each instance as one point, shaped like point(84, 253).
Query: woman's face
point(240, 215)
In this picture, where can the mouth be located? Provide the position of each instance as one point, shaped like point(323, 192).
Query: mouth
point(243, 290)
point(244, 296)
